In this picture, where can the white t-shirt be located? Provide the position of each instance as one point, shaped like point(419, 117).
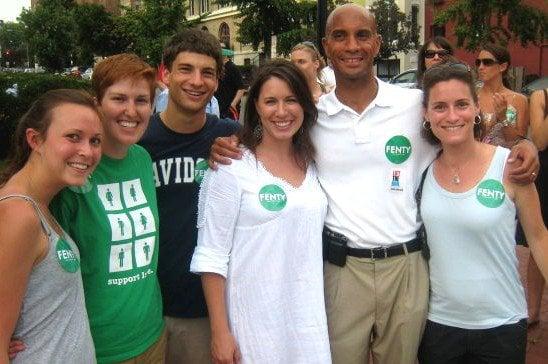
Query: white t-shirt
point(370, 164)
point(265, 237)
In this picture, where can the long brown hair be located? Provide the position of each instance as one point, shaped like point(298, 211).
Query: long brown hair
point(295, 79)
point(38, 117)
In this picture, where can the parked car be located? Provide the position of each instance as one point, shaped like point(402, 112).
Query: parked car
point(87, 74)
point(538, 84)
point(407, 79)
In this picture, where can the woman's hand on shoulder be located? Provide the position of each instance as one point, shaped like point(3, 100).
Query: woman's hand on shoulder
point(224, 349)
point(523, 163)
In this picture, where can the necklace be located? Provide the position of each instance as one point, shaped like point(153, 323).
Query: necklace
point(456, 179)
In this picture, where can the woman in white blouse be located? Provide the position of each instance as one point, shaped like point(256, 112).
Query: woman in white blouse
point(260, 221)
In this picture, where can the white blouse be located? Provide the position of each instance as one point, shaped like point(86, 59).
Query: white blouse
point(265, 237)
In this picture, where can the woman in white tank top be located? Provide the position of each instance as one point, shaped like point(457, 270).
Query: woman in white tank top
point(57, 144)
point(477, 307)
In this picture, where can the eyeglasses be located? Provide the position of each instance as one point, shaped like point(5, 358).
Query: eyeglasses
point(487, 62)
point(441, 53)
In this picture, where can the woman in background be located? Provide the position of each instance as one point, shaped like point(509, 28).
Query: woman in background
point(538, 108)
point(433, 52)
point(305, 55)
point(504, 111)
point(57, 144)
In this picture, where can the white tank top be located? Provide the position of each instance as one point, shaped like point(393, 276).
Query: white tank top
point(474, 280)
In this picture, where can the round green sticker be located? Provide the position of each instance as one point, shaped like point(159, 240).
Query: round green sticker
point(490, 193)
point(66, 257)
point(272, 197)
point(397, 149)
point(199, 171)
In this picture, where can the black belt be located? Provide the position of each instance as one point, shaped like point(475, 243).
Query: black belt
point(331, 238)
point(386, 251)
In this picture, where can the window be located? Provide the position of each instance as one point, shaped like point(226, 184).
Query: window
point(191, 8)
point(204, 6)
point(224, 35)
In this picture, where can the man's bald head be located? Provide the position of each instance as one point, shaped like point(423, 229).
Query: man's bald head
point(350, 10)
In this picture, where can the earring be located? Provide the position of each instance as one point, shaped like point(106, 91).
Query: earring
point(426, 124)
point(258, 131)
point(477, 120)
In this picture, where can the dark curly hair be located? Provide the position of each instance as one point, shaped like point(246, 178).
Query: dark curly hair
point(194, 41)
point(295, 79)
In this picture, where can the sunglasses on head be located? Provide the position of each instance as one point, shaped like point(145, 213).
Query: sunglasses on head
point(441, 67)
point(441, 53)
point(309, 45)
point(487, 62)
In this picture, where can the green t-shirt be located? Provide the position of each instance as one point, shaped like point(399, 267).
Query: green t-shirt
point(114, 221)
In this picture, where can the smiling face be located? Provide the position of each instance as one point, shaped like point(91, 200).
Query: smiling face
point(192, 81)
point(71, 148)
point(126, 106)
point(451, 111)
point(279, 111)
point(304, 60)
point(351, 43)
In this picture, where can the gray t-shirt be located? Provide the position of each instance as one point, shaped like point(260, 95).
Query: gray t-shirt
point(53, 322)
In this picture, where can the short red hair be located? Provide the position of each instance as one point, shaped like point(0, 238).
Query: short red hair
point(120, 67)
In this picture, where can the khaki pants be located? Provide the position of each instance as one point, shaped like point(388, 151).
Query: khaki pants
point(155, 354)
point(376, 306)
point(188, 340)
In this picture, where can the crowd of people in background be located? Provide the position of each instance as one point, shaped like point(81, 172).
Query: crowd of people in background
point(344, 221)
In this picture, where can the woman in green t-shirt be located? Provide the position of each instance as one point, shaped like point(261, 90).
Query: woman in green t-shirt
point(114, 220)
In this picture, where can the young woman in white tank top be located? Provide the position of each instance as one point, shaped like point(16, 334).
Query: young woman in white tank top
point(477, 307)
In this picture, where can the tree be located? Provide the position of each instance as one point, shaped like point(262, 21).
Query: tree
point(494, 21)
point(148, 27)
point(12, 44)
point(307, 14)
point(263, 19)
point(49, 29)
point(96, 33)
point(399, 34)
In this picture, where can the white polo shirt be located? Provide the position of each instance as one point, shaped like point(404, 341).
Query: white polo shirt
point(370, 164)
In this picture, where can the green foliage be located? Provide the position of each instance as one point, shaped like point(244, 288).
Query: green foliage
point(148, 27)
point(96, 33)
point(479, 22)
point(12, 44)
point(49, 29)
point(290, 20)
point(30, 86)
point(397, 30)
point(263, 19)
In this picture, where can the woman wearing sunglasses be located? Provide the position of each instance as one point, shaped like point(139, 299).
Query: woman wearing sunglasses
point(306, 57)
point(503, 110)
point(432, 53)
point(477, 311)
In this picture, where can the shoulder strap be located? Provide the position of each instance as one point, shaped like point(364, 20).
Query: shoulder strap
point(545, 102)
point(418, 193)
point(43, 221)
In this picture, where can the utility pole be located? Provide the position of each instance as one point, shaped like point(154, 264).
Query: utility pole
point(322, 18)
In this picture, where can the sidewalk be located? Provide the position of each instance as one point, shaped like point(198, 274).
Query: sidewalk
point(537, 340)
